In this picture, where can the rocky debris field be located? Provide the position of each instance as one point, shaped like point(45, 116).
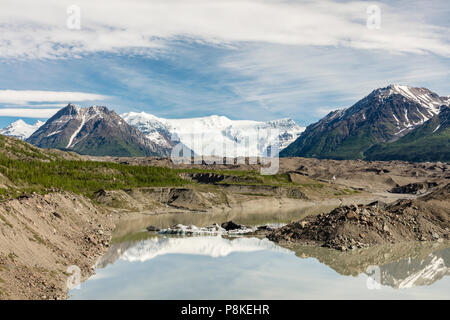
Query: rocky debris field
point(415, 188)
point(371, 176)
point(350, 227)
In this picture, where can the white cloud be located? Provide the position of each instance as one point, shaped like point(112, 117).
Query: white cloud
point(27, 112)
point(22, 97)
point(310, 82)
point(112, 25)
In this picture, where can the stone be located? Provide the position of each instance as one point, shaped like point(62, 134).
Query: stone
point(57, 215)
point(152, 229)
point(230, 225)
point(352, 215)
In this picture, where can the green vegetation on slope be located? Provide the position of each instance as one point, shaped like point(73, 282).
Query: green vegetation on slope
point(416, 146)
point(243, 177)
point(84, 176)
point(17, 149)
point(25, 168)
point(427, 143)
point(338, 142)
point(99, 146)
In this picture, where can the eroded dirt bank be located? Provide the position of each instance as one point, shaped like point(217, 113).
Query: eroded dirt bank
point(41, 236)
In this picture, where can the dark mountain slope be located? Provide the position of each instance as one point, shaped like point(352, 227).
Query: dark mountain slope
point(94, 131)
point(384, 115)
point(429, 142)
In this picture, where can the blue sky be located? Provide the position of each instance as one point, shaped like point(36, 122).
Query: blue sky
point(173, 58)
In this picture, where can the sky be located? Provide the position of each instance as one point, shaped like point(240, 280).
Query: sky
point(244, 59)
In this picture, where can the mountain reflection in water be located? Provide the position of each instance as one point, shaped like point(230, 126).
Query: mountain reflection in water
point(404, 265)
point(212, 246)
point(174, 267)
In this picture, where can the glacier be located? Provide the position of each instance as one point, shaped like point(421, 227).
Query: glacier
point(217, 135)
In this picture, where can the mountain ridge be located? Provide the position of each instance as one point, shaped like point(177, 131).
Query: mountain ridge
point(383, 116)
point(429, 142)
point(95, 130)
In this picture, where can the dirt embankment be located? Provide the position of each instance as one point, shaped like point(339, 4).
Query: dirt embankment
point(161, 198)
point(41, 236)
point(349, 227)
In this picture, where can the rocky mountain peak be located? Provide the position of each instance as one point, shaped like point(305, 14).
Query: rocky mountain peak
point(95, 130)
point(423, 96)
point(385, 115)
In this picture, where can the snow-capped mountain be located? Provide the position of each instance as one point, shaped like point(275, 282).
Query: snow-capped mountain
point(430, 105)
point(20, 129)
point(211, 246)
point(95, 131)
point(425, 97)
point(384, 116)
point(217, 135)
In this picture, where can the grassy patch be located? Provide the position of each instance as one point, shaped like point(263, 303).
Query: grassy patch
point(84, 177)
point(346, 192)
point(243, 177)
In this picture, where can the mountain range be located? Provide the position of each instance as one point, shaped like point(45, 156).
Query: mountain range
point(99, 131)
point(378, 123)
point(216, 135)
point(392, 123)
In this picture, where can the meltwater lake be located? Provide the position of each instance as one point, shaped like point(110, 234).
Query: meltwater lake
point(144, 265)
